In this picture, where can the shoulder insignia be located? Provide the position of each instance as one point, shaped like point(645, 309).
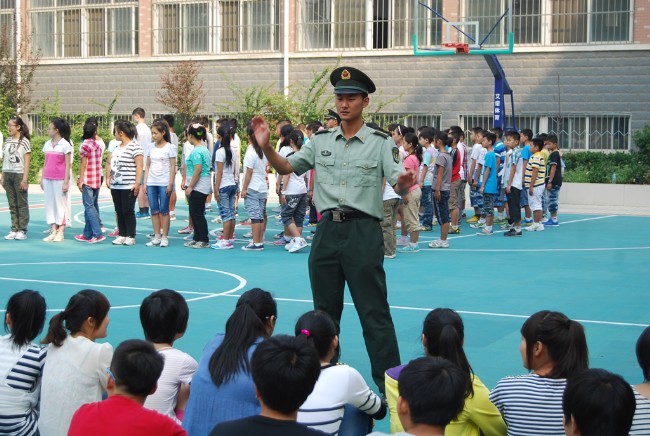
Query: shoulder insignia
point(320, 132)
point(380, 133)
point(396, 154)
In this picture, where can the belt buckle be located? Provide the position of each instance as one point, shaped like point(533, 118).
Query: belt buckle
point(338, 216)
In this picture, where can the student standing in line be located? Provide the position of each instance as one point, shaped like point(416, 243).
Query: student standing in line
point(159, 181)
point(56, 178)
point(15, 176)
point(199, 186)
point(90, 182)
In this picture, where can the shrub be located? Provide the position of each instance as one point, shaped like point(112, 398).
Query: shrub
point(597, 167)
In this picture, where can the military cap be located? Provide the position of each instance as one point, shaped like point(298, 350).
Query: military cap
point(332, 115)
point(348, 80)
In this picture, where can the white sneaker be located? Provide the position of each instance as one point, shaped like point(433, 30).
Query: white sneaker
point(164, 242)
point(439, 243)
point(59, 236)
point(20, 235)
point(216, 220)
point(403, 241)
point(154, 242)
point(50, 237)
point(390, 256)
point(119, 240)
point(248, 235)
point(535, 227)
point(289, 244)
point(11, 235)
point(299, 244)
point(129, 241)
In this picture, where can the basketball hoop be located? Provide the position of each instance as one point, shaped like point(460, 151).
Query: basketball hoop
point(459, 47)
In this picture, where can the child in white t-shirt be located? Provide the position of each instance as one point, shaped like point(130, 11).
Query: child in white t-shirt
point(294, 199)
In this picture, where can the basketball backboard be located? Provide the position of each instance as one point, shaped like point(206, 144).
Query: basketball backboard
point(474, 27)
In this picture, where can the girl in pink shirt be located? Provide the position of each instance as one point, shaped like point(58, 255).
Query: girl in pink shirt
point(413, 198)
point(56, 177)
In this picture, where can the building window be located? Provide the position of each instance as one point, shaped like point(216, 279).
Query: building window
point(590, 21)
point(217, 26)
point(7, 25)
point(84, 28)
point(359, 24)
point(409, 120)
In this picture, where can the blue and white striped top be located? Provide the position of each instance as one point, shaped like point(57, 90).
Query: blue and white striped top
point(531, 405)
point(20, 382)
point(641, 421)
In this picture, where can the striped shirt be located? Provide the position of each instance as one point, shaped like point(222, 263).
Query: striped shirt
point(123, 168)
point(92, 150)
point(337, 386)
point(536, 161)
point(531, 405)
point(641, 421)
point(20, 382)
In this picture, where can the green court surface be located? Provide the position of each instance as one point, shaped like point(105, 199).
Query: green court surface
point(592, 267)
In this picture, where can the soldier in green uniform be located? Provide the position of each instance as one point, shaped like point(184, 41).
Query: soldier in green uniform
point(350, 163)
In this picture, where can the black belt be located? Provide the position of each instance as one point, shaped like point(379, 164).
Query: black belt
point(339, 216)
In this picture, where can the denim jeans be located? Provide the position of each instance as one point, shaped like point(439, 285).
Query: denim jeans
point(227, 202)
point(427, 206)
point(255, 203)
point(89, 197)
point(355, 422)
point(158, 199)
point(553, 199)
point(17, 199)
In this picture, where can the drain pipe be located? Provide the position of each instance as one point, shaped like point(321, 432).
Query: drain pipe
point(285, 48)
point(17, 44)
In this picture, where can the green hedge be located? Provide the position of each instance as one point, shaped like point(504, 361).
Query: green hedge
point(598, 167)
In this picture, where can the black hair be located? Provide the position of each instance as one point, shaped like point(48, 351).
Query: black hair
point(563, 338)
point(526, 132)
point(412, 139)
point(24, 130)
point(421, 128)
point(392, 127)
point(233, 123)
point(253, 140)
point(205, 121)
point(198, 131)
point(498, 131)
point(139, 112)
point(445, 333)
point(456, 129)
point(434, 389)
point(402, 130)
point(285, 131)
point(552, 138)
point(314, 126)
point(513, 134)
point(297, 138)
point(538, 143)
point(136, 366)
point(27, 312)
point(285, 370)
point(442, 136)
point(62, 126)
point(428, 133)
point(162, 126)
point(319, 329)
point(227, 133)
point(543, 136)
point(163, 315)
point(85, 304)
point(90, 128)
point(127, 128)
point(643, 353)
point(376, 126)
point(476, 130)
point(601, 403)
point(246, 324)
point(490, 136)
point(169, 118)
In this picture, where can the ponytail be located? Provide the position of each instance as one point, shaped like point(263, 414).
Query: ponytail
point(246, 324)
point(56, 334)
point(285, 133)
point(27, 312)
point(127, 128)
point(24, 130)
point(412, 139)
point(320, 330)
point(226, 132)
point(253, 140)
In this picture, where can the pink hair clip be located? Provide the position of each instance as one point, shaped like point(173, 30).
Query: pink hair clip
point(305, 332)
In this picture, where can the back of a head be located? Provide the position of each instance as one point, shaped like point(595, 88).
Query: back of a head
point(319, 330)
point(90, 128)
point(527, 133)
point(163, 315)
point(246, 324)
point(444, 330)
point(285, 370)
point(170, 120)
point(601, 403)
point(563, 338)
point(139, 112)
point(136, 366)
point(498, 131)
point(643, 353)
point(513, 134)
point(26, 309)
point(435, 390)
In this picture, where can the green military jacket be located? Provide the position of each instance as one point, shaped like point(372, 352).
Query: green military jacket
point(349, 173)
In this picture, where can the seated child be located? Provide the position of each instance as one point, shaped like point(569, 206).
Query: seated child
point(133, 375)
point(597, 403)
point(285, 370)
point(641, 422)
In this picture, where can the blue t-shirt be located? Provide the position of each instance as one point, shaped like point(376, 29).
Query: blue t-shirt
point(500, 150)
point(491, 182)
point(525, 153)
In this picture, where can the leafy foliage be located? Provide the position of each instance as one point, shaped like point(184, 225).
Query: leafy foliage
point(598, 167)
point(182, 90)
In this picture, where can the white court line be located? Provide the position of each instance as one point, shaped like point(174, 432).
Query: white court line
point(96, 285)
point(525, 250)
point(464, 312)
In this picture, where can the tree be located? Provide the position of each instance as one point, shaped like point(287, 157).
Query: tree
point(182, 90)
point(17, 68)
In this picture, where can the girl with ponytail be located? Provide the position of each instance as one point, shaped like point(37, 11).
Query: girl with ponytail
point(222, 387)
point(553, 348)
point(412, 200)
point(225, 186)
point(75, 373)
point(443, 335)
point(15, 176)
point(341, 392)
